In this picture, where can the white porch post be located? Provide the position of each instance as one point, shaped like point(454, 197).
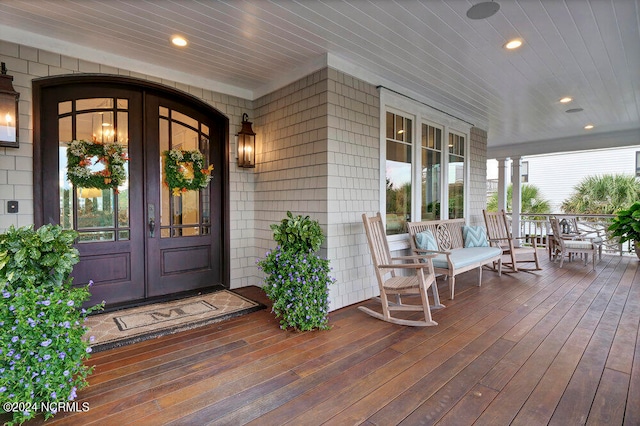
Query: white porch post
point(516, 201)
point(502, 184)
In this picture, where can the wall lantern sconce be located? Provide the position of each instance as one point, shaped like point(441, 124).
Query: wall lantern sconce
point(246, 144)
point(8, 110)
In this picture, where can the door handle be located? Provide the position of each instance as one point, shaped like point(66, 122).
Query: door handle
point(152, 227)
point(151, 213)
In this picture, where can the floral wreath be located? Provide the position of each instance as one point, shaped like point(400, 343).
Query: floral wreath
point(79, 158)
point(185, 171)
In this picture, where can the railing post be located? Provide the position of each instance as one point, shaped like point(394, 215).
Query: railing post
point(516, 202)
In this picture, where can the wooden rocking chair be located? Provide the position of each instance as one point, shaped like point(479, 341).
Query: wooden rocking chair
point(392, 282)
point(499, 235)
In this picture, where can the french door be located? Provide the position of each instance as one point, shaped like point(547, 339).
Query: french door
point(140, 240)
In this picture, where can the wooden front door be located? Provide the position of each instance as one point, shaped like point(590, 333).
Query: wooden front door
point(139, 241)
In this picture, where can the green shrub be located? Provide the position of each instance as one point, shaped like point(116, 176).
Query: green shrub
point(297, 280)
point(298, 233)
point(42, 344)
point(626, 224)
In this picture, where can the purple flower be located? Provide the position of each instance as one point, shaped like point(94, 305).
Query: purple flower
point(6, 294)
point(46, 302)
point(46, 357)
point(90, 283)
point(46, 343)
point(14, 339)
point(88, 350)
point(70, 303)
point(72, 395)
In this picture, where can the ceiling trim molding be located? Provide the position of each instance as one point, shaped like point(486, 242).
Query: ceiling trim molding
point(586, 142)
point(73, 50)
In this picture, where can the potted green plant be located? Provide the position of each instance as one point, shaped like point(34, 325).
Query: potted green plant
point(626, 226)
point(43, 348)
point(297, 279)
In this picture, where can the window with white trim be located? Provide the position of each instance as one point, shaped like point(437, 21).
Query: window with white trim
point(421, 173)
point(457, 181)
point(398, 170)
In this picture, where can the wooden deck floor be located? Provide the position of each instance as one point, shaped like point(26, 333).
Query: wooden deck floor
point(559, 347)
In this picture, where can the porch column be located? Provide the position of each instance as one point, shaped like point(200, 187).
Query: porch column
point(516, 202)
point(502, 183)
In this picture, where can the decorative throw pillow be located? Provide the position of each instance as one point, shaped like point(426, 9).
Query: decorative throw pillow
point(474, 236)
point(426, 241)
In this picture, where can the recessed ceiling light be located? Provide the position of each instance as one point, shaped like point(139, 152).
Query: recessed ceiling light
point(513, 44)
point(179, 41)
point(483, 10)
point(588, 127)
point(566, 99)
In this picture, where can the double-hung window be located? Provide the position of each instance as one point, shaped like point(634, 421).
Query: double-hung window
point(424, 159)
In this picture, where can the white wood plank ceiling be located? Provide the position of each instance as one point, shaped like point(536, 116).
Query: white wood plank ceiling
point(426, 49)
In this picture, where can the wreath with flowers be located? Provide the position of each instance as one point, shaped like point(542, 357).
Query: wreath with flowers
point(80, 156)
point(185, 171)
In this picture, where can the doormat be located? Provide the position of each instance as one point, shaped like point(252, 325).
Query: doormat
point(124, 327)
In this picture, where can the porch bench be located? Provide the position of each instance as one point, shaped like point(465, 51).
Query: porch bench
point(447, 239)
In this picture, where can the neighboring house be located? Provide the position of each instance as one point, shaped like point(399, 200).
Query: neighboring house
point(556, 175)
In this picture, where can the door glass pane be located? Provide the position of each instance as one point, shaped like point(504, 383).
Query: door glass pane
point(95, 208)
point(98, 214)
point(204, 195)
point(94, 103)
point(64, 107)
point(165, 195)
point(183, 213)
point(179, 117)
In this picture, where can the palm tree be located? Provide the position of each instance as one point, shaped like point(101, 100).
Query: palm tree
point(532, 201)
point(604, 194)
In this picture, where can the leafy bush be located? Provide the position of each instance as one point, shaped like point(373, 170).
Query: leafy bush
point(298, 233)
point(297, 280)
point(42, 344)
point(626, 224)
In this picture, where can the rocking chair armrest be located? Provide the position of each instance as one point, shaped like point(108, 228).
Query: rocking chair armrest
point(405, 266)
point(533, 240)
point(491, 240)
point(422, 252)
point(429, 255)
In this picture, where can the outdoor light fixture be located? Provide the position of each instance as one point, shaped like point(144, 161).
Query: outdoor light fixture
point(246, 144)
point(8, 110)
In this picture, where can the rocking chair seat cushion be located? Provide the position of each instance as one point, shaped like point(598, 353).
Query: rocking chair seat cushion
point(466, 256)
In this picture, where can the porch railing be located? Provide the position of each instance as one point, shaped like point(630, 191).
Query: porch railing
point(594, 225)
